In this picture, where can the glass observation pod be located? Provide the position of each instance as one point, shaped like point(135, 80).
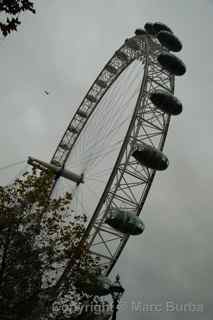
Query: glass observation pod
point(170, 41)
point(172, 64)
point(125, 222)
point(159, 26)
point(166, 102)
point(151, 157)
point(96, 285)
point(155, 28)
point(140, 32)
point(149, 28)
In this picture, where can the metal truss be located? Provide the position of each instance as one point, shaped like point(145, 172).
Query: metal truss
point(129, 182)
point(112, 70)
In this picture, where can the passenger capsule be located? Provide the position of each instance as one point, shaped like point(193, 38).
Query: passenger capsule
point(172, 64)
point(169, 40)
point(159, 26)
point(96, 285)
point(149, 28)
point(166, 102)
point(151, 157)
point(125, 222)
point(140, 32)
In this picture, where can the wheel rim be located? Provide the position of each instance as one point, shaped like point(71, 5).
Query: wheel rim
point(128, 180)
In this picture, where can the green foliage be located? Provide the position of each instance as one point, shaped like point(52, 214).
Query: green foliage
point(42, 254)
point(13, 8)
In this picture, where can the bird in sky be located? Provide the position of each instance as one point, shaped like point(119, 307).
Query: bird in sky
point(46, 92)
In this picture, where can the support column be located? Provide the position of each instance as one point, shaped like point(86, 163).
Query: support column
point(42, 165)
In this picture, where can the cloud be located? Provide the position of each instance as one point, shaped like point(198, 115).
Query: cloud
point(61, 49)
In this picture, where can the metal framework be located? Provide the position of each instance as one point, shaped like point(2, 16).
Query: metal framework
point(129, 182)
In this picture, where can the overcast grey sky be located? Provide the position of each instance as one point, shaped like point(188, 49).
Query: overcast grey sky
point(61, 49)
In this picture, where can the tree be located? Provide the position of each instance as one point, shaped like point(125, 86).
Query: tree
point(42, 256)
point(12, 10)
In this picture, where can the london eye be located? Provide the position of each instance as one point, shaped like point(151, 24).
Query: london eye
point(113, 146)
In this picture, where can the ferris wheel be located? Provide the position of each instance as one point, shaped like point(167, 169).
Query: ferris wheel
point(111, 149)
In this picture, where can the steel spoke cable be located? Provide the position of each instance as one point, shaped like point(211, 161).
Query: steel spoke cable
point(80, 202)
point(120, 106)
point(103, 154)
point(101, 129)
point(98, 180)
point(99, 112)
point(115, 102)
point(114, 131)
point(98, 152)
point(18, 174)
point(99, 172)
point(115, 120)
point(12, 165)
point(109, 135)
point(93, 192)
